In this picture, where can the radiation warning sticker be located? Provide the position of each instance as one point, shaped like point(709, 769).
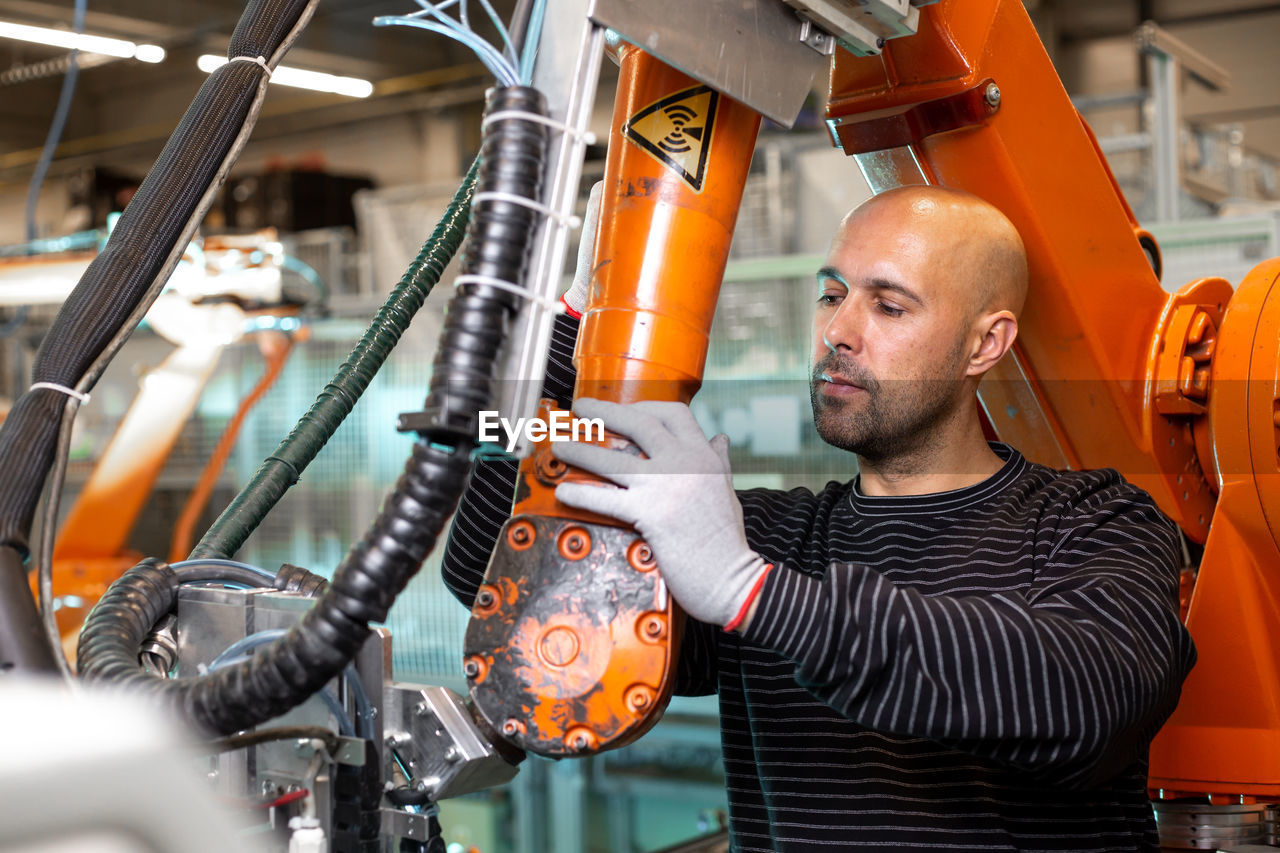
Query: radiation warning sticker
point(676, 131)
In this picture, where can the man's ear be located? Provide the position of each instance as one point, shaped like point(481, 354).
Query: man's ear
point(999, 330)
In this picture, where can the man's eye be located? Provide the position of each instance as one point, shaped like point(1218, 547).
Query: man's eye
point(828, 299)
point(890, 310)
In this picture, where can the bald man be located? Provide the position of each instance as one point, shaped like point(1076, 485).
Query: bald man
point(955, 650)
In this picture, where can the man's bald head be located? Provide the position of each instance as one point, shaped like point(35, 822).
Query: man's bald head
point(966, 239)
point(918, 300)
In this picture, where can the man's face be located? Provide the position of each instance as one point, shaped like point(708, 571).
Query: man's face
point(890, 333)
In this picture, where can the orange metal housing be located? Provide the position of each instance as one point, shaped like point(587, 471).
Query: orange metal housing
point(545, 669)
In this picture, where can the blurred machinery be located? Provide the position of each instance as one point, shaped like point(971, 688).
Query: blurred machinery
point(289, 673)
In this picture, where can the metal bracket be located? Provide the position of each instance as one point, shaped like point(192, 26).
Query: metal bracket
point(751, 50)
point(437, 738)
point(860, 134)
point(1152, 39)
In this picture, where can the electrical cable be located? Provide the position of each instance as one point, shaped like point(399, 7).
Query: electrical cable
point(56, 127)
point(529, 50)
point(157, 283)
point(206, 571)
point(497, 64)
point(503, 62)
point(520, 24)
point(247, 739)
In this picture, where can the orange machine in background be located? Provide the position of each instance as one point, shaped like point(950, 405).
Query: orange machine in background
point(92, 548)
point(573, 638)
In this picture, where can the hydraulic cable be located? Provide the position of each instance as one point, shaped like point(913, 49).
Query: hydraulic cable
point(240, 741)
point(125, 278)
point(281, 470)
point(376, 569)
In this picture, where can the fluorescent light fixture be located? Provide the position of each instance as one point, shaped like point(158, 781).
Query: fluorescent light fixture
point(82, 41)
point(352, 87)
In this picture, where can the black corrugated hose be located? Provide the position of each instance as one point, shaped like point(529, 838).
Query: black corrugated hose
point(391, 552)
point(121, 281)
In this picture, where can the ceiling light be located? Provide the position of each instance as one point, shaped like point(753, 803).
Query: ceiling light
point(82, 41)
point(352, 87)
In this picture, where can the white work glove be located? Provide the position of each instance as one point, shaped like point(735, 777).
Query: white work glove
point(576, 296)
point(680, 499)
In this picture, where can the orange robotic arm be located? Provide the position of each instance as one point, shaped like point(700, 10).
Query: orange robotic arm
point(573, 639)
point(1177, 391)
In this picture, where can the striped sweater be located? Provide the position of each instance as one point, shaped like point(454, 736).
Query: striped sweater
point(980, 669)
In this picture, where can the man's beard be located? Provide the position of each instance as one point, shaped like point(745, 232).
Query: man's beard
point(894, 419)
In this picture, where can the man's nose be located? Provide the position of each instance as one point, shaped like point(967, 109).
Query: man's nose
point(843, 329)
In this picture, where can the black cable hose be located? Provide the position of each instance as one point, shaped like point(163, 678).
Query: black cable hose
point(377, 568)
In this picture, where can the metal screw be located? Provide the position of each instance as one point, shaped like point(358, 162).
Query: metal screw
point(451, 754)
point(992, 95)
point(579, 741)
point(471, 669)
point(653, 627)
point(484, 598)
point(511, 727)
point(520, 535)
point(421, 709)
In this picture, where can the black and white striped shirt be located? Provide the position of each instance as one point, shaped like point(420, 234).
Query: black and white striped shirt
point(981, 669)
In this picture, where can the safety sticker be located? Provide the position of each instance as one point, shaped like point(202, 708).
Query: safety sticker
point(676, 131)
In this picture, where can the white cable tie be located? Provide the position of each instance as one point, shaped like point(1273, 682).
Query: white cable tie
point(62, 389)
point(569, 221)
point(524, 115)
point(260, 61)
point(554, 305)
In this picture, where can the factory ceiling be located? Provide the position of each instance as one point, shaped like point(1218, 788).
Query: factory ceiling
point(126, 103)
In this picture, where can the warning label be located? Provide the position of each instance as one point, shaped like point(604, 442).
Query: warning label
point(676, 131)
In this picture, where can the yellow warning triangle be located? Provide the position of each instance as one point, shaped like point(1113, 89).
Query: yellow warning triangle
point(676, 130)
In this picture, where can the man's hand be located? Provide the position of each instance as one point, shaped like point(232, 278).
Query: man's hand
point(680, 499)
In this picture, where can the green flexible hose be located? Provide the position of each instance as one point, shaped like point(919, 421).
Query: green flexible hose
point(281, 469)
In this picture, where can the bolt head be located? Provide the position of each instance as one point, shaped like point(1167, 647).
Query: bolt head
point(992, 95)
point(420, 709)
point(471, 669)
point(451, 754)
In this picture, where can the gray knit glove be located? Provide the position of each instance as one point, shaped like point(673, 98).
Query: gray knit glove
point(576, 296)
point(680, 499)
